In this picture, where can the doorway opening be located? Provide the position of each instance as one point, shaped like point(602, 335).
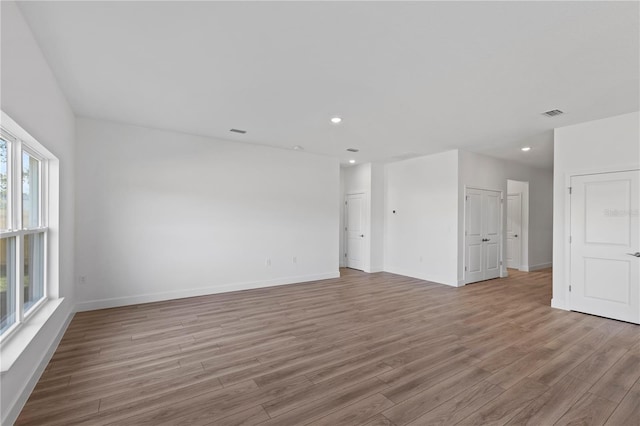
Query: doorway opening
point(517, 226)
point(355, 210)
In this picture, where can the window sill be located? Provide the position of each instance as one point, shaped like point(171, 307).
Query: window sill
point(15, 345)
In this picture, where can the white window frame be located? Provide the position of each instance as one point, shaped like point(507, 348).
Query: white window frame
point(16, 229)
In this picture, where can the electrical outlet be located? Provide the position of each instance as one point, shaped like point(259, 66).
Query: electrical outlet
point(295, 259)
point(420, 258)
point(268, 261)
point(82, 279)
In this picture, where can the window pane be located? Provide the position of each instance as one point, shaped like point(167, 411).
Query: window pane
point(7, 283)
point(33, 283)
point(30, 191)
point(4, 184)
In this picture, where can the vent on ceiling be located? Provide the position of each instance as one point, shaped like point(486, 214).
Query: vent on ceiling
point(553, 113)
point(352, 150)
point(242, 132)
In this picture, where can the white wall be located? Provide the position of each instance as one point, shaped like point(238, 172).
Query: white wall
point(164, 215)
point(522, 188)
point(341, 259)
point(421, 237)
point(485, 172)
point(377, 217)
point(357, 178)
point(595, 146)
point(31, 97)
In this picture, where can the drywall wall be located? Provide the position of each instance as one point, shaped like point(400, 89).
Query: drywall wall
point(377, 218)
point(163, 215)
point(481, 171)
point(595, 146)
point(522, 188)
point(357, 178)
point(32, 98)
point(421, 236)
point(341, 246)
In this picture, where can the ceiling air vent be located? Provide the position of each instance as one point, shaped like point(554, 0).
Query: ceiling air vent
point(242, 132)
point(352, 150)
point(553, 113)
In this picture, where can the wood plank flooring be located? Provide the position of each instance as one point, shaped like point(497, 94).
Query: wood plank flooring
point(370, 349)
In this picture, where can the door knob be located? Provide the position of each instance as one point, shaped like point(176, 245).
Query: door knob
point(362, 235)
point(485, 239)
point(636, 254)
point(515, 236)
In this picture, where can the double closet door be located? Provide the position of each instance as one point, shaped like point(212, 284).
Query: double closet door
point(483, 239)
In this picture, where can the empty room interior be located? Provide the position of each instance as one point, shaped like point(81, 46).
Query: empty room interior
point(320, 213)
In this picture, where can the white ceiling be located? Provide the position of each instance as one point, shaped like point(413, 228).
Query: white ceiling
point(407, 78)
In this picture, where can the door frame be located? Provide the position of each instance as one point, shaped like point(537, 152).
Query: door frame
point(567, 219)
point(503, 268)
point(366, 219)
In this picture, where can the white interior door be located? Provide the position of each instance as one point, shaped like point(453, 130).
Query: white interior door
point(514, 230)
point(491, 223)
point(482, 234)
point(605, 240)
point(355, 231)
point(474, 239)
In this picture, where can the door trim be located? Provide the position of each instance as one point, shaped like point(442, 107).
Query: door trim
point(503, 267)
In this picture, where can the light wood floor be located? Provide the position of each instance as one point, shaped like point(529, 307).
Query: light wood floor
point(375, 349)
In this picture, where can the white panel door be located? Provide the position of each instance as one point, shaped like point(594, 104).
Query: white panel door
point(482, 234)
point(491, 223)
point(514, 230)
point(474, 239)
point(355, 231)
point(605, 241)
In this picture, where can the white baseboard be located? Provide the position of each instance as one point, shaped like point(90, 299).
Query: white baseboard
point(12, 413)
point(375, 269)
point(181, 294)
point(540, 266)
point(461, 283)
point(420, 276)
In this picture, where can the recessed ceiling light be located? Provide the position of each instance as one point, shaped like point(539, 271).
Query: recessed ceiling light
point(336, 120)
point(526, 148)
point(298, 148)
point(352, 161)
